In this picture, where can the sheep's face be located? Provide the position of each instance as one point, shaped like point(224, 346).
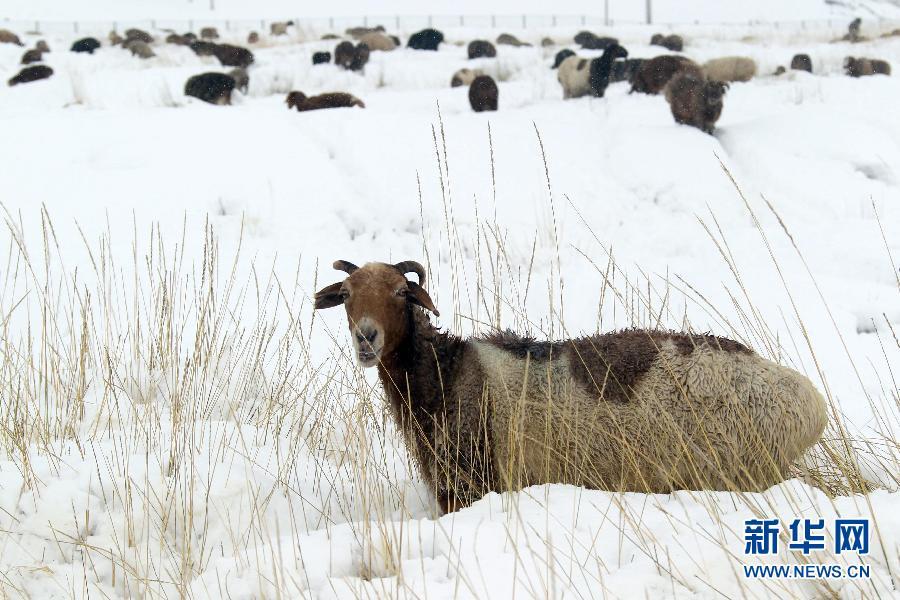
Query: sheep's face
point(377, 298)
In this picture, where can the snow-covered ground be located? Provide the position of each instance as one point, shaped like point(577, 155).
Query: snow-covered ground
point(176, 421)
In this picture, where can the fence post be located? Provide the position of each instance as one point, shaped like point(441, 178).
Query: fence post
point(429, 21)
point(649, 12)
point(76, 26)
point(397, 23)
point(37, 26)
point(365, 21)
point(462, 20)
point(524, 21)
point(493, 20)
point(606, 12)
point(583, 20)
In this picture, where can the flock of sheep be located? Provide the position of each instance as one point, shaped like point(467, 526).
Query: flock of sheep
point(695, 92)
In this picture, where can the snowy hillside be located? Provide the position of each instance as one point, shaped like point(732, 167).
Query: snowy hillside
point(177, 422)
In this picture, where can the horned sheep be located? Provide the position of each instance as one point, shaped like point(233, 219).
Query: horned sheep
point(634, 410)
point(730, 68)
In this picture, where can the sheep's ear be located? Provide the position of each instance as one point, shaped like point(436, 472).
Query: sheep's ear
point(418, 295)
point(329, 296)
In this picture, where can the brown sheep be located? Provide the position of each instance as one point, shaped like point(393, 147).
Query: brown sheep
point(8, 37)
point(801, 62)
point(209, 33)
point(376, 40)
point(480, 48)
point(178, 40)
point(302, 102)
point(673, 42)
point(358, 32)
point(241, 79)
point(42, 46)
point(29, 74)
point(253, 37)
point(507, 39)
point(654, 74)
point(32, 56)
point(483, 94)
point(863, 67)
point(139, 49)
point(114, 38)
point(139, 35)
point(696, 101)
point(352, 58)
point(634, 410)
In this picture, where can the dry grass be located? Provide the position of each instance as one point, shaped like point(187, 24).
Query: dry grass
point(174, 373)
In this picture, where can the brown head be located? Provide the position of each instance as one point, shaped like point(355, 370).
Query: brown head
point(295, 99)
point(378, 299)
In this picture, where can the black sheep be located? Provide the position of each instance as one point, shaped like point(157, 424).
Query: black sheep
point(480, 48)
point(320, 58)
point(483, 94)
point(29, 74)
point(88, 45)
point(233, 56)
point(624, 70)
point(801, 62)
point(601, 68)
point(590, 41)
point(427, 39)
point(561, 56)
point(202, 48)
point(352, 58)
point(214, 88)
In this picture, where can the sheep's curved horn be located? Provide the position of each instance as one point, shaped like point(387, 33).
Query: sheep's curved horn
point(345, 266)
point(411, 266)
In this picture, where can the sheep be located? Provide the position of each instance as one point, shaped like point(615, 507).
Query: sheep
point(862, 67)
point(178, 40)
point(139, 35)
point(114, 38)
point(633, 410)
point(624, 70)
point(201, 48)
point(696, 101)
point(302, 102)
point(852, 34)
point(330, 36)
point(561, 56)
point(357, 33)
point(508, 39)
point(655, 73)
point(464, 77)
point(479, 48)
point(730, 68)
point(253, 37)
point(209, 33)
point(139, 49)
point(42, 46)
point(547, 42)
point(582, 76)
point(29, 74)
point(8, 37)
point(214, 88)
point(320, 58)
point(32, 56)
point(376, 40)
point(483, 94)
point(801, 62)
point(87, 45)
point(352, 58)
point(241, 79)
point(427, 39)
point(672, 42)
point(233, 56)
point(280, 27)
point(590, 41)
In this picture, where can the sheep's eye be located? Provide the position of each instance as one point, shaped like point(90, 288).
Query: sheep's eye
point(344, 294)
point(402, 292)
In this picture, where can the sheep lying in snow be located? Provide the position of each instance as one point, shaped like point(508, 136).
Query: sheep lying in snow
point(214, 88)
point(114, 38)
point(358, 32)
point(280, 27)
point(581, 76)
point(139, 35)
point(863, 67)
point(696, 101)
point(561, 56)
point(41, 46)
point(253, 37)
point(480, 48)
point(8, 37)
point(32, 56)
point(233, 56)
point(87, 45)
point(377, 41)
point(591, 41)
point(178, 40)
point(655, 73)
point(201, 48)
point(483, 94)
point(730, 68)
point(139, 49)
point(302, 102)
point(801, 62)
point(672, 42)
point(427, 39)
point(464, 77)
point(321, 58)
point(29, 74)
point(508, 39)
point(241, 79)
point(209, 33)
point(635, 410)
